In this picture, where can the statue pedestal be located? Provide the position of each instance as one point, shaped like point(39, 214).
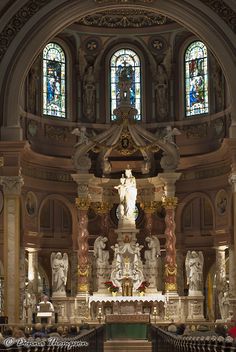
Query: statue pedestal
point(195, 308)
point(126, 234)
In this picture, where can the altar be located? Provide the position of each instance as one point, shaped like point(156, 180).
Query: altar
point(105, 306)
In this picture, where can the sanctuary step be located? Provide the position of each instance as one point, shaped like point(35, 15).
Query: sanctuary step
point(127, 346)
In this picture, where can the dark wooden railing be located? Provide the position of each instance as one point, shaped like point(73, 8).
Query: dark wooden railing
point(92, 340)
point(163, 341)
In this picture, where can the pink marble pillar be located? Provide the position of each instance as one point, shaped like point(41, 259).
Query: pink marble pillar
point(83, 251)
point(170, 260)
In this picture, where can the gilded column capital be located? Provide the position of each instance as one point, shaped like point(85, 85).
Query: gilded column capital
point(169, 202)
point(101, 207)
point(12, 184)
point(82, 203)
point(150, 206)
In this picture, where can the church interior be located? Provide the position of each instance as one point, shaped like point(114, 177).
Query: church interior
point(118, 161)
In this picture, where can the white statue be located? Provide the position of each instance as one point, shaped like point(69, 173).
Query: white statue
point(194, 270)
point(170, 133)
point(81, 133)
point(137, 258)
point(99, 250)
point(59, 265)
point(154, 248)
point(89, 93)
point(223, 299)
point(117, 256)
point(128, 194)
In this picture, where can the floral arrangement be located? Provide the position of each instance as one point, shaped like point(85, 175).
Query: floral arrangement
point(111, 287)
point(143, 286)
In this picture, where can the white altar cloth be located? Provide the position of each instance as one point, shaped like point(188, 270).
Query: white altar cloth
point(149, 298)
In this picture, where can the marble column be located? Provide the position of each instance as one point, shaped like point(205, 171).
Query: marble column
point(83, 250)
point(220, 267)
point(12, 190)
point(170, 260)
point(33, 268)
point(169, 203)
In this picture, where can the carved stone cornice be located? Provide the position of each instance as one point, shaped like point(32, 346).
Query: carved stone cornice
point(124, 18)
point(223, 10)
point(11, 184)
point(123, 1)
point(17, 22)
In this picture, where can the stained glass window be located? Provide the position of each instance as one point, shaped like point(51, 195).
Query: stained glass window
point(54, 71)
point(196, 79)
point(129, 59)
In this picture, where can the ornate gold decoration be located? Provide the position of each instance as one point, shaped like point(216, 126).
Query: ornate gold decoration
point(151, 206)
point(1, 161)
point(170, 271)
point(124, 18)
point(82, 203)
point(83, 287)
point(170, 286)
point(83, 271)
point(101, 207)
point(126, 145)
point(169, 202)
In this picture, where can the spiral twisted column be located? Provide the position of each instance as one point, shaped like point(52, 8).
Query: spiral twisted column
point(170, 260)
point(169, 202)
point(83, 247)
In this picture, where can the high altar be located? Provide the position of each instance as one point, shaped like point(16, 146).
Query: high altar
point(127, 279)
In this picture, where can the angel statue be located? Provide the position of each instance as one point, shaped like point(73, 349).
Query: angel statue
point(59, 266)
point(81, 133)
point(170, 133)
point(194, 271)
point(100, 253)
point(154, 250)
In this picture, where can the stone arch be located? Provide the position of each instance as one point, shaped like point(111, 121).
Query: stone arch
point(72, 211)
point(185, 201)
point(28, 42)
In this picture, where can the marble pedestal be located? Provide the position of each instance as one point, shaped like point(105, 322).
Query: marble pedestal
point(195, 308)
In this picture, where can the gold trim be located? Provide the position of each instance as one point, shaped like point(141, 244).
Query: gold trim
point(83, 287)
point(151, 207)
point(170, 286)
point(170, 271)
point(83, 272)
point(82, 203)
point(101, 207)
point(169, 202)
point(1, 161)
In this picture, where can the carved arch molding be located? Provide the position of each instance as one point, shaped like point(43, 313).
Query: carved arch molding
point(22, 16)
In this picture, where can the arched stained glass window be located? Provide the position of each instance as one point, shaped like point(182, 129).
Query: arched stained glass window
point(196, 79)
point(120, 59)
point(54, 84)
